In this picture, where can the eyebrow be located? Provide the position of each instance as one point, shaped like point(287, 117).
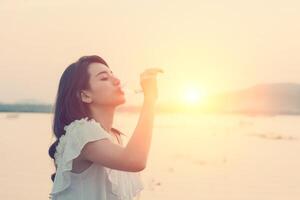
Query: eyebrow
point(103, 72)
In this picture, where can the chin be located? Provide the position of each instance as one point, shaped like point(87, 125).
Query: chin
point(124, 101)
point(121, 101)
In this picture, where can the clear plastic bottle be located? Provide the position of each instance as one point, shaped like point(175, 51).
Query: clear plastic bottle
point(129, 90)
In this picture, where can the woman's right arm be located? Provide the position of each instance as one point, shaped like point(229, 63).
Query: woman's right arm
point(134, 156)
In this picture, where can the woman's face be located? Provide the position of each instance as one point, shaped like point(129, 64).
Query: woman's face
point(104, 87)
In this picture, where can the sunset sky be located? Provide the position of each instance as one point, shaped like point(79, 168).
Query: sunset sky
point(207, 46)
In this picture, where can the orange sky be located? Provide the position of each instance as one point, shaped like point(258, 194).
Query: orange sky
point(212, 45)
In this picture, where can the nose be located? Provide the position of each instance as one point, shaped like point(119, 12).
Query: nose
point(116, 81)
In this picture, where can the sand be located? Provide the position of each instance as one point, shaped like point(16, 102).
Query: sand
point(211, 157)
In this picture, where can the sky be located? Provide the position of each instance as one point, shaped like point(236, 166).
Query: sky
point(210, 46)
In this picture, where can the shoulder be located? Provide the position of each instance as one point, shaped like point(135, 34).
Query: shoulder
point(77, 134)
point(84, 128)
point(81, 124)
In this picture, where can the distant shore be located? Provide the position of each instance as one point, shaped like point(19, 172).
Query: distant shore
point(48, 108)
point(259, 100)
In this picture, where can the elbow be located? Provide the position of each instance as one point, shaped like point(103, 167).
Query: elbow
point(139, 167)
point(135, 164)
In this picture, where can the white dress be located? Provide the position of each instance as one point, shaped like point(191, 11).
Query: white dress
point(97, 182)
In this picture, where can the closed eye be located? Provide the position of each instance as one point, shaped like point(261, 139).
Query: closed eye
point(103, 72)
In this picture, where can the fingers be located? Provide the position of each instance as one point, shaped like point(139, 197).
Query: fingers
point(153, 71)
point(147, 77)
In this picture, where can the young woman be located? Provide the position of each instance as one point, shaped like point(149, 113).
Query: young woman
point(90, 160)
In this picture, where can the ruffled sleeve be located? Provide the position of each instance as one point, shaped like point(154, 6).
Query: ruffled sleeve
point(78, 133)
point(125, 184)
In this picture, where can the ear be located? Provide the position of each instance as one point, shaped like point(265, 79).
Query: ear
point(85, 97)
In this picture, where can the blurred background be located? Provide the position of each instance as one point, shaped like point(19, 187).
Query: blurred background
point(227, 123)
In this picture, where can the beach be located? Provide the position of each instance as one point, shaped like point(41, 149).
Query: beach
point(192, 156)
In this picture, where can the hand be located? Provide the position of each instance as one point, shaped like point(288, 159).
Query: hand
point(149, 84)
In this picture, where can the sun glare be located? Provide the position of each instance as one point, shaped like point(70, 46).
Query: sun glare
point(193, 95)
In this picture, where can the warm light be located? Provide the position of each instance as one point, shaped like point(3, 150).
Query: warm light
point(193, 95)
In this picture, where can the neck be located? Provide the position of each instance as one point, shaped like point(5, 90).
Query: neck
point(103, 115)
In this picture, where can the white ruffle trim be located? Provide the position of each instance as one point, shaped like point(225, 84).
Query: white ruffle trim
point(78, 133)
point(125, 185)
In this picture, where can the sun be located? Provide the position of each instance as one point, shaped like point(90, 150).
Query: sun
point(193, 95)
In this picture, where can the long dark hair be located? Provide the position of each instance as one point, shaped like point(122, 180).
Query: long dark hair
point(68, 106)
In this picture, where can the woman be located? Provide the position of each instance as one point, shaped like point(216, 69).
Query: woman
point(90, 160)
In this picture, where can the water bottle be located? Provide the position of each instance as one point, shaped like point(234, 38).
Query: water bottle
point(128, 90)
